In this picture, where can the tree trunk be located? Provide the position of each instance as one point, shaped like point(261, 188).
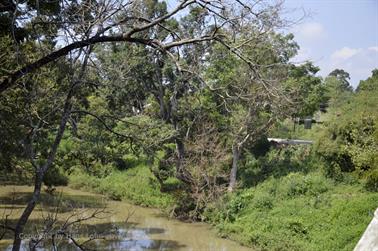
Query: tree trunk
point(234, 169)
point(28, 210)
point(180, 148)
point(39, 177)
point(41, 171)
point(181, 173)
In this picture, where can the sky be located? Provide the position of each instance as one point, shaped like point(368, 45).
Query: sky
point(337, 34)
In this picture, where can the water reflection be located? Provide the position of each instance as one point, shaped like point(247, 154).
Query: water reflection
point(133, 240)
point(144, 230)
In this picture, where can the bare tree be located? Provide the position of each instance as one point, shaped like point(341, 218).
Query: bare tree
point(205, 161)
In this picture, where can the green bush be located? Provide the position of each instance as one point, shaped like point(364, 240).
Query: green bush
point(55, 177)
point(299, 184)
point(371, 183)
point(137, 185)
point(263, 202)
point(277, 163)
point(349, 143)
point(101, 171)
point(128, 161)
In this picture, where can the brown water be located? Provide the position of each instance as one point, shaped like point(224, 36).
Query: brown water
point(126, 227)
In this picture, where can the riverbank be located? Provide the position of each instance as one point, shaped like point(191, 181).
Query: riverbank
point(296, 212)
point(293, 212)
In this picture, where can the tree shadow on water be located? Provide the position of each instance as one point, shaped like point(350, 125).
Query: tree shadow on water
point(120, 235)
point(60, 201)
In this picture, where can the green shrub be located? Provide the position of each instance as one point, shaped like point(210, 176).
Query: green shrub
point(137, 185)
point(128, 161)
point(277, 163)
point(55, 177)
point(371, 183)
point(263, 202)
point(297, 227)
point(171, 184)
point(234, 206)
point(101, 171)
point(299, 184)
point(349, 142)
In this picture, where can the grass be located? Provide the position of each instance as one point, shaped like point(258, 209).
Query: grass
point(295, 212)
point(137, 185)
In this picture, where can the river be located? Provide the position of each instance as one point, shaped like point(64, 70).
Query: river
point(118, 226)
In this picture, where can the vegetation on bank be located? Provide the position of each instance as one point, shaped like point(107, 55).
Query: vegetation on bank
point(296, 212)
point(137, 185)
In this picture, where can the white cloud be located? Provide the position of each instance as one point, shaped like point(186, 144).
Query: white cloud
point(374, 48)
point(304, 54)
point(344, 53)
point(310, 32)
point(359, 62)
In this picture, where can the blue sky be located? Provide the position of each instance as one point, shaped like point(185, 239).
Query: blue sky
point(338, 34)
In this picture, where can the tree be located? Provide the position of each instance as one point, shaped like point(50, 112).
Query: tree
point(369, 84)
point(169, 82)
point(350, 140)
point(335, 93)
point(305, 90)
point(343, 77)
point(252, 103)
point(43, 163)
point(149, 79)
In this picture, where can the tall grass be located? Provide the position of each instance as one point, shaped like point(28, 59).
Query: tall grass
point(137, 185)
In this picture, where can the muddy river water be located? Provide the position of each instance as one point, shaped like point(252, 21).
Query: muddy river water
point(118, 226)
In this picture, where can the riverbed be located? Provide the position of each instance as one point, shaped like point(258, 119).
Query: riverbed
point(117, 226)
